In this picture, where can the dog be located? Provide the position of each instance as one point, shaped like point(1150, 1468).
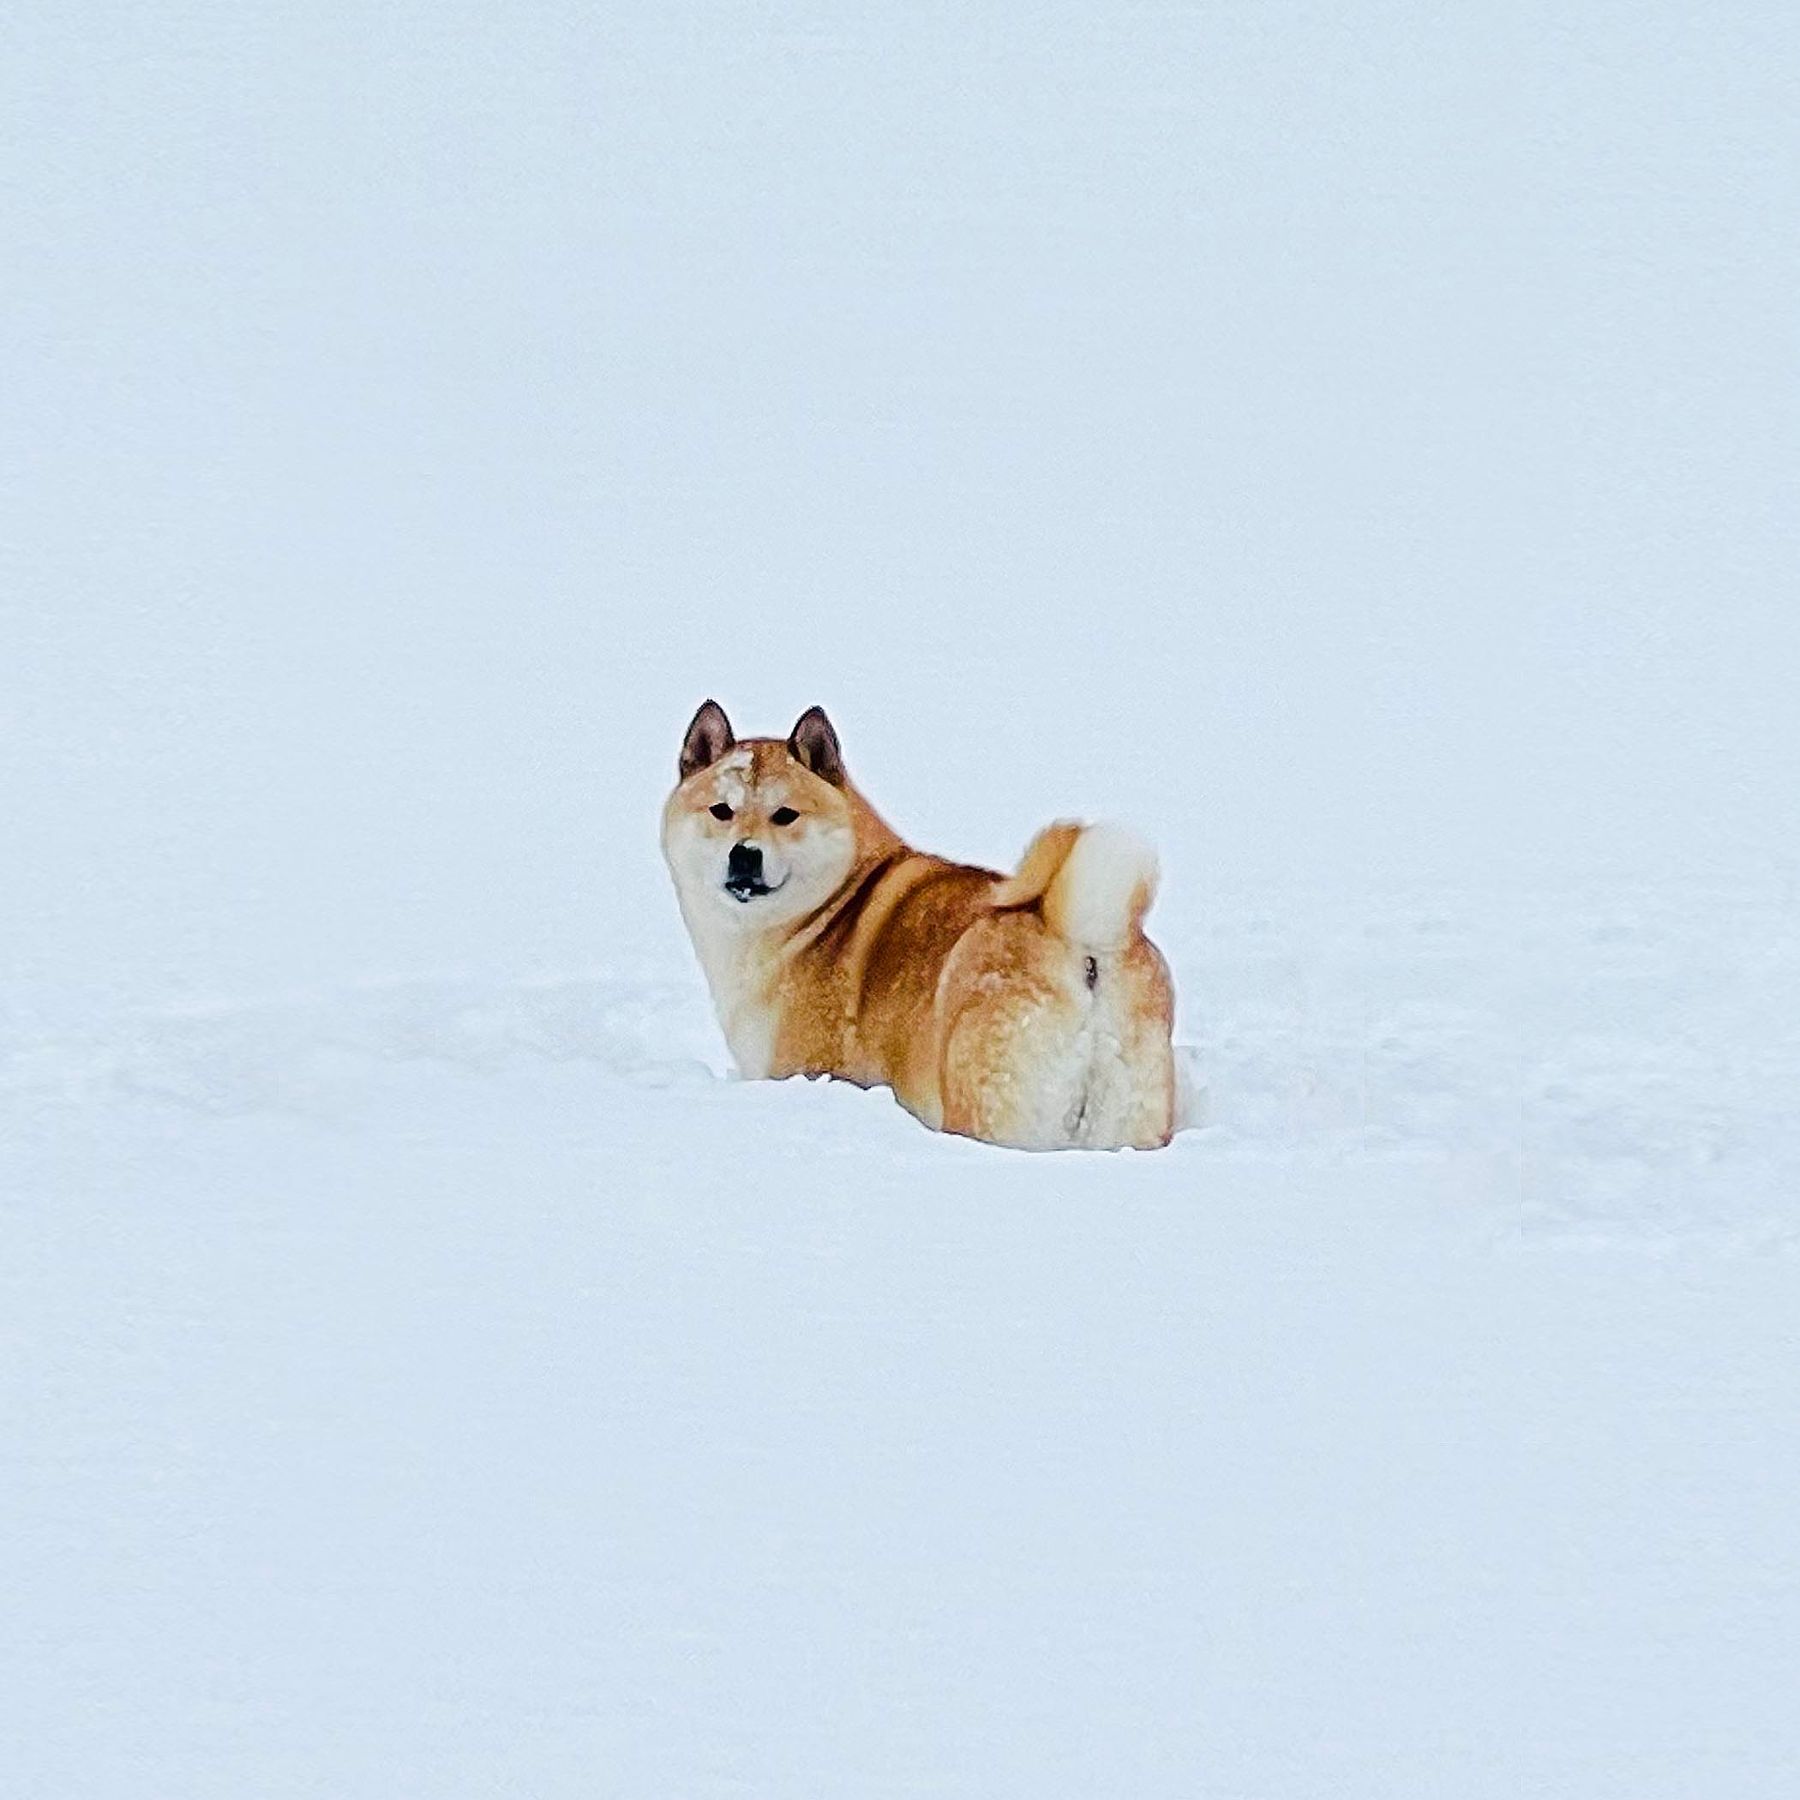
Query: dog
point(1026, 1010)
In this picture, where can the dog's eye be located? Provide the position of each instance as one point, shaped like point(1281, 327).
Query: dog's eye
point(783, 815)
point(720, 812)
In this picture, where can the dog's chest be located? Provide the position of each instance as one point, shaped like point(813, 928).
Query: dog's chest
point(748, 1011)
point(749, 1023)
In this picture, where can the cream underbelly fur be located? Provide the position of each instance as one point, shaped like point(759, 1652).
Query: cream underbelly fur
point(1027, 1010)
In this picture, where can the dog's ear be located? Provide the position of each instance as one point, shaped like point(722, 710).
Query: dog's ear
point(708, 738)
point(814, 745)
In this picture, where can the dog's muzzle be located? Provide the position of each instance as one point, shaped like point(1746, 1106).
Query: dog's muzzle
point(744, 879)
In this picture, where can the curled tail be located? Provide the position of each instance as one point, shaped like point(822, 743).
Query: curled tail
point(1093, 883)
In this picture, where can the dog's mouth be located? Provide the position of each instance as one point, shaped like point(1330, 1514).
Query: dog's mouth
point(745, 888)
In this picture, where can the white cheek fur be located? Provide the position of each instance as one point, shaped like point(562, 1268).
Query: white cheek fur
point(804, 863)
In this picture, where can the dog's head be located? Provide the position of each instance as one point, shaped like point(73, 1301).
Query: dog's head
point(764, 831)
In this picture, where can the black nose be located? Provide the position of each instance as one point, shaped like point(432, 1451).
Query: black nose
point(744, 863)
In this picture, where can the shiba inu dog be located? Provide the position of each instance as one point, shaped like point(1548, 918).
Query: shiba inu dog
point(1025, 1009)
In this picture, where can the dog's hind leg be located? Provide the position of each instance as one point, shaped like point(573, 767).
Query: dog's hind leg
point(1046, 1048)
point(1130, 1060)
point(1013, 1070)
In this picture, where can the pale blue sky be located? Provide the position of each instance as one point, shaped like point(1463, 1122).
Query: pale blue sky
point(1354, 436)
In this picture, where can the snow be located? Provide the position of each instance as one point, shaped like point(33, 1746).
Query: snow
point(462, 1387)
point(1355, 447)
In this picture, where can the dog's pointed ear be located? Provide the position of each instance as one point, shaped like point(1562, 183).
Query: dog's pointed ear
point(708, 738)
point(814, 745)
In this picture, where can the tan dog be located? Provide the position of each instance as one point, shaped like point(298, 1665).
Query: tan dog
point(1027, 1009)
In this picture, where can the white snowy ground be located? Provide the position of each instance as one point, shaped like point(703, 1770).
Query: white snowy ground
point(457, 1388)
